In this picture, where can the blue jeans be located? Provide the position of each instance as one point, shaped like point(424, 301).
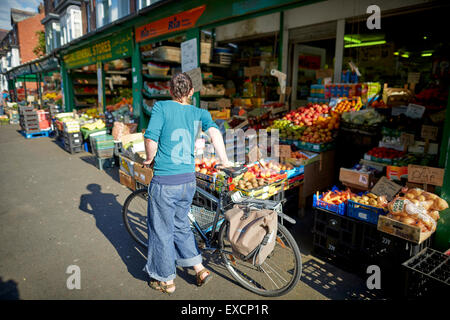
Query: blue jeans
point(171, 241)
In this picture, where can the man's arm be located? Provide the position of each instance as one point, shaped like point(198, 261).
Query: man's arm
point(150, 150)
point(219, 146)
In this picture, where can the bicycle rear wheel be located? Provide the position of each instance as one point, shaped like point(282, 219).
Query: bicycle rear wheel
point(279, 273)
point(134, 213)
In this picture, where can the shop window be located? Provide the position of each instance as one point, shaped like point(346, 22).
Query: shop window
point(71, 25)
point(145, 3)
point(111, 10)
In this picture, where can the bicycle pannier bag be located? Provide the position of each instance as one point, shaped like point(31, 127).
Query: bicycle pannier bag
point(252, 233)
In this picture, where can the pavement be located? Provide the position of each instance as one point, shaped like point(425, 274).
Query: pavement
point(52, 219)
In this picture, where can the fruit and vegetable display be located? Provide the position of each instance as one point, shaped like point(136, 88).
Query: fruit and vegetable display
point(206, 166)
point(367, 116)
point(418, 208)
point(371, 199)
point(385, 153)
point(314, 124)
point(52, 96)
point(348, 105)
point(99, 124)
point(123, 102)
point(306, 116)
point(157, 88)
point(335, 196)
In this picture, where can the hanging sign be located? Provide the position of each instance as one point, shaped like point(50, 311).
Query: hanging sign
point(189, 59)
point(196, 77)
point(177, 22)
point(429, 132)
point(115, 47)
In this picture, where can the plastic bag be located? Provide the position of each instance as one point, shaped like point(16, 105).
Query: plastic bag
point(119, 130)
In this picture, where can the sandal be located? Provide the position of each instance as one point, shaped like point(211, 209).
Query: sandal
point(158, 285)
point(203, 281)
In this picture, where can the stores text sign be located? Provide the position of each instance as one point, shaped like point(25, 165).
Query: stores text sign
point(115, 47)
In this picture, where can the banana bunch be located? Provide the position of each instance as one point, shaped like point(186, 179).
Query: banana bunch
point(99, 124)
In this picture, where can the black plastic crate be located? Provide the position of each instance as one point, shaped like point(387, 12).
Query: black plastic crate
point(74, 149)
point(335, 239)
point(387, 250)
point(73, 135)
point(72, 143)
point(427, 275)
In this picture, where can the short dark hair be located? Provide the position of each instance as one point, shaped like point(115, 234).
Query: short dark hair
point(180, 85)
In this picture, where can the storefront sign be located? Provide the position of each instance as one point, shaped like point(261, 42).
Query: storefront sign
point(177, 22)
point(115, 47)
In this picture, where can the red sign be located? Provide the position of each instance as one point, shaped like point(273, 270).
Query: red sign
point(309, 62)
point(177, 22)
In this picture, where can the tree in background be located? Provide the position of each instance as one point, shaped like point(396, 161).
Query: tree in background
point(39, 50)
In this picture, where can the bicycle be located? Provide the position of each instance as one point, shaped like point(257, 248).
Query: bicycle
point(279, 273)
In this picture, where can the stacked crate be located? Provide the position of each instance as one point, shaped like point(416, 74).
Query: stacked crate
point(73, 142)
point(103, 147)
point(29, 120)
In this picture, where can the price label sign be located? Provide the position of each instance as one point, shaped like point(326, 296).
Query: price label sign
point(224, 103)
point(415, 111)
point(196, 77)
point(407, 139)
point(429, 132)
point(385, 187)
point(285, 151)
point(426, 175)
point(413, 77)
point(253, 71)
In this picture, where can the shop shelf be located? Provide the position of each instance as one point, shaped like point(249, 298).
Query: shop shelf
point(427, 275)
point(215, 65)
point(155, 78)
point(155, 96)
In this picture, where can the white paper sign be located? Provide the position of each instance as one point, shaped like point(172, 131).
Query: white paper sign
point(399, 110)
point(415, 111)
point(189, 58)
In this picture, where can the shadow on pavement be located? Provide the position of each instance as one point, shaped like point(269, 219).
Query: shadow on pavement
point(336, 284)
point(8, 290)
point(107, 212)
point(112, 172)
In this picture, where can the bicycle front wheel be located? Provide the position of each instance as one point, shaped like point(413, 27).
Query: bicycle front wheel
point(134, 213)
point(279, 273)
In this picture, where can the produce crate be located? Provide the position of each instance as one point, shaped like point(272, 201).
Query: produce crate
point(73, 142)
point(335, 238)
point(104, 153)
point(296, 171)
point(209, 186)
point(204, 217)
point(427, 275)
point(338, 209)
point(402, 230)
point(102, 163)
point(364, 212)
point(73, 149)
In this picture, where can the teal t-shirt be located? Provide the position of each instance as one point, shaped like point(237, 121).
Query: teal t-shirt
point(174, 127)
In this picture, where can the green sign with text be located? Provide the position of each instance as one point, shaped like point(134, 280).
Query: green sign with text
point(114, 47)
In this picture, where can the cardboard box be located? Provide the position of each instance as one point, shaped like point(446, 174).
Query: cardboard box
point(319, 174)
point(359, 180)
point(142, 174)
point(126, 165)
point(127, 180)
point(402, 230)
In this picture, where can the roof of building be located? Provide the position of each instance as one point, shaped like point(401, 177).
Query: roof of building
point(19, 15)
point(3, 33)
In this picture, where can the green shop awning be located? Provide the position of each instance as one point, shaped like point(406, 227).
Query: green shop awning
point(114, 47)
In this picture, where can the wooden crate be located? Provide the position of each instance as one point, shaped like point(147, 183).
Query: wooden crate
point(402, 230)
